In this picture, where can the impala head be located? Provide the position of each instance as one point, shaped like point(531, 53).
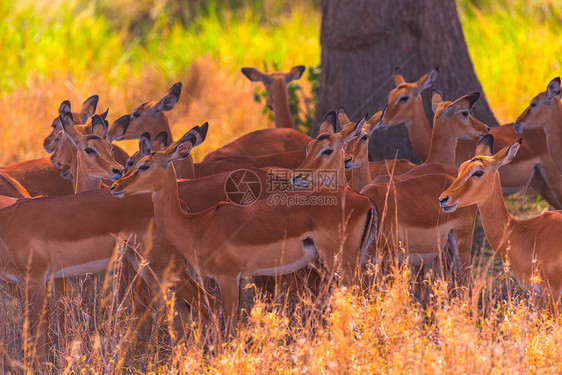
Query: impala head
point(356, 149)
point(146, 146)
point(325, 152)
point(87, 111)
point(539, 111)
point(153, 171)
point(93, 151)
point(149, 117)
point(477, 176)
point(455, 118)
point(275, 80)
point(63, 149)
point(404, 101)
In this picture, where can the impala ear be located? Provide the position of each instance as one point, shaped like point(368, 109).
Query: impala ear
point(328, 123)
point(202, 134)
point(342, 116)
point(295, 73)
point(372, 123)
point(66, 119)
point(398, 79)
point(172, 96)
point(64, 107)
point(353, 129)
point(553, 88)
point(507, 154)
point(160, 141)
point(426, 81)
point(436, 98)
point(104, 115)
point(145, 146)
point(99, 127)
point(89, 106)
point(485, 146)
point(464, 102)
point(119, 127)
point(255, 75)
point(181, 148)
point(68, 128)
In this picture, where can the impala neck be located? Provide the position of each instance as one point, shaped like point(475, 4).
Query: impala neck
point(174, 223)
point(419, 131)
point(496, 221)
point(360, 176)
point(281, 112)
point(443, 147)
point(185, 168)
point(82, 181)
point(553, 131)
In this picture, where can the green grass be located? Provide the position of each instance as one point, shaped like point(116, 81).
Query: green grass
point(72, 40)
point(514, 44)
point(515, 48)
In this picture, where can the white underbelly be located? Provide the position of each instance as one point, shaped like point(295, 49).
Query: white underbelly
point(308, 257)
point(81, 269)
point(9, 277)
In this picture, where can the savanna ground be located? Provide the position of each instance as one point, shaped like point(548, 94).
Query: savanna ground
point(132, 51)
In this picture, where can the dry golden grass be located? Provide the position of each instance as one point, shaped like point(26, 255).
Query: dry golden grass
point(487, 325)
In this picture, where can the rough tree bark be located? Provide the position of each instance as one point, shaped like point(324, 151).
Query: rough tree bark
point(363, 41)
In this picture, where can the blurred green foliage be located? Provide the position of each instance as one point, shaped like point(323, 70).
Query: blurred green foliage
point(118, 38)
point(515, 48)
point(514, 44)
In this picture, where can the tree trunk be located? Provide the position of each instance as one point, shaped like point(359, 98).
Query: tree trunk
point(363, 41)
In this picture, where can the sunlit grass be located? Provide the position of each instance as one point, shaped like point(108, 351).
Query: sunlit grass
point(486, 326)
point(515, 48)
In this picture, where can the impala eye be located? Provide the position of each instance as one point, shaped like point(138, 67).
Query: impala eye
point(130, 163)
point(89, 150)
point(465, 113)
point(533, 105)
point(144, 167)
point(327, 152)
point(404, 98)
point(136, 114)
point(478, 174)
point(364, 138)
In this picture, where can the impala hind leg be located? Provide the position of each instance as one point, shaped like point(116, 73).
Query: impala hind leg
point(60, 292)
point(142, 297)
point(37, 320)
point(229, 286)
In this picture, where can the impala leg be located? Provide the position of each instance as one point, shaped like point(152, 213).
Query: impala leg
point(230, 293)
point(464, 236)
point(60, 292)
point(37, 319)
point(142, 298)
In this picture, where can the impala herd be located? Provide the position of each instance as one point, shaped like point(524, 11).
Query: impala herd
point(60, 217)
